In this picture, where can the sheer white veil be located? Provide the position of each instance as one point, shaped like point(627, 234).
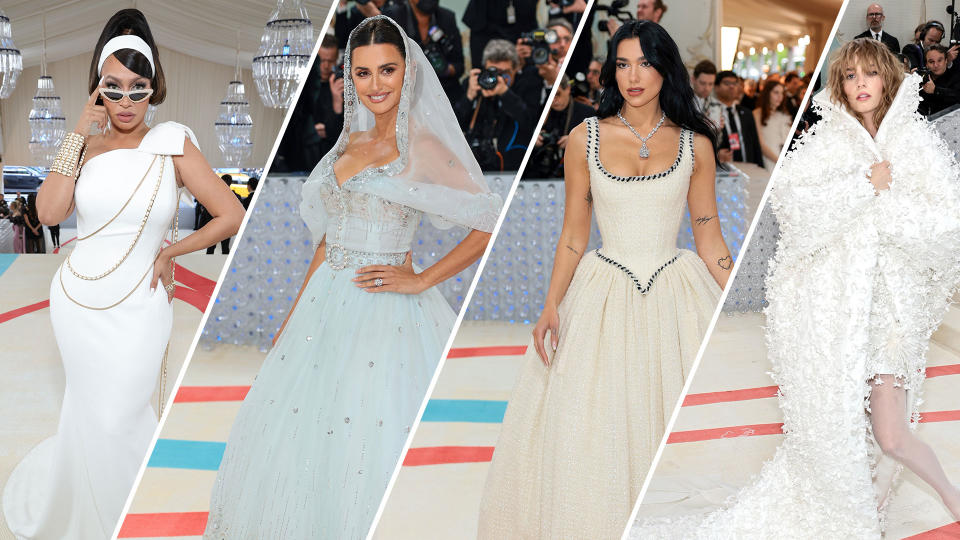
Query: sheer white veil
point(436, 171)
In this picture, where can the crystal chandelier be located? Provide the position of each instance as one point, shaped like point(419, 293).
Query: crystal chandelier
point(48, 126)
point(11, 62)
point(284, 54)
point(47, 123)
point(234, 124)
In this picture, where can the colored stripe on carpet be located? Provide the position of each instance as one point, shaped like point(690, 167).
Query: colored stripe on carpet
point(13, 314)
point(464, 410)
point(6, 259)
point(198, 394)
point(500, 350)
point(180, 454)
point(439, 455)
point(166, 524)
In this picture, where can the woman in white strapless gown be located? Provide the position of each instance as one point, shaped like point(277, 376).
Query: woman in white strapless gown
point(110, 300)
point(320, 433)
point(773, 122)
point(587, 415)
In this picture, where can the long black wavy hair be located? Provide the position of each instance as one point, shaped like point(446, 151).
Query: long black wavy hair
point(124, 22)
point(676, 95)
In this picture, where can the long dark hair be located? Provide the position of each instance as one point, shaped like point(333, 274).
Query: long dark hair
point(676, 95)
point(131, 22)
point(764, 102)
point(375, 32)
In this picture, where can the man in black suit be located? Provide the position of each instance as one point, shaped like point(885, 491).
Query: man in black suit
point(875, 18)
point(497, 19)
point(739, 140)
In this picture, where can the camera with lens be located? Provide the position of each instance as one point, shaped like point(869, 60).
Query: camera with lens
point(485, 152)
point(614, 10)
point(487, 79)
point(338, 71)
point(555, 7)
point(438, 49)
point(954, 23)
point(547, 159)
point(924, 72)
point(540, 40)
point(579, 86)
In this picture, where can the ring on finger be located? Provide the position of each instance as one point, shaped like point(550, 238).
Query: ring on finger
point(170, 287)
point(378, 282)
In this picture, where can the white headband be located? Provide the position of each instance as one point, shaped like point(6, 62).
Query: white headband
point(126, 42)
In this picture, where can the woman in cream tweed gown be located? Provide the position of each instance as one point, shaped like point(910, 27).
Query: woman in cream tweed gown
point(587, 415)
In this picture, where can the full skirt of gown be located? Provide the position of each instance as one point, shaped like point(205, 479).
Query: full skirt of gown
point(319, 435)
point(578, 437)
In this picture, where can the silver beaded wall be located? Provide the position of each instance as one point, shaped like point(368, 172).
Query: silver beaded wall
point(514, 283)
point(747, 292)
point(275, 251)
point(276, 248)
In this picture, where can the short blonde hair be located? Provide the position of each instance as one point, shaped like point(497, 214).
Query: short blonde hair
point(866, 52)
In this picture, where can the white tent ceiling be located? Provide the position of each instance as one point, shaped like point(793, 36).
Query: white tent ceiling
point(768, 22)
point(208, 29)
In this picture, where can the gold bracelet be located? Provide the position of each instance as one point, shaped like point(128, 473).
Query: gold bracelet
point(68, 157)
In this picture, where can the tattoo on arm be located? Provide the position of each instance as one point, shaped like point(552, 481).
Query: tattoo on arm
point(589, 196)
point(573, 250)
point(725, 262)
point(703, 220)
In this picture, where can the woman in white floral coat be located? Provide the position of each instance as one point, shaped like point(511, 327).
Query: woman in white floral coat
point(869, 210)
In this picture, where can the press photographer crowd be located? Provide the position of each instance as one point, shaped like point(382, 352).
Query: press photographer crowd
point(497, 92)
point(499, 88)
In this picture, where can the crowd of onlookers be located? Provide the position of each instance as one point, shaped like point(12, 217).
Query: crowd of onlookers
point(497, 96)
point(515, 64)
point(926, 55)
point(27, 230)
point(753, 118)
point(28, 236)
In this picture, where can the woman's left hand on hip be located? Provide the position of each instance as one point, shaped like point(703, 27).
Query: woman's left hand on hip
point(385, 278)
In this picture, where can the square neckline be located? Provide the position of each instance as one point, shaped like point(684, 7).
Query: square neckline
point(594, 141)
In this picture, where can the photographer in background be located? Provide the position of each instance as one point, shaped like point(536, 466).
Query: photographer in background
point(541, 52)
point(566, 113)
point(435, 29)
point(497, 19)
point(647, 10)
point(317, 117)
point(940, 87)
point(496, 112)
point(574, 11)
point(347, 18)
point(931, 34)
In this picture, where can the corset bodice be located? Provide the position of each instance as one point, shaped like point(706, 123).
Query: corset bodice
point(639, 216)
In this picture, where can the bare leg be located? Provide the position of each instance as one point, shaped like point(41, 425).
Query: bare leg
point(891, 429)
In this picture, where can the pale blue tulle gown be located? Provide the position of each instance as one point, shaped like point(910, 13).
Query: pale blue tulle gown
point(320, 433)
point(321, 430)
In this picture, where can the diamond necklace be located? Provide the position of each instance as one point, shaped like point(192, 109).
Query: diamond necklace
point(644, 151)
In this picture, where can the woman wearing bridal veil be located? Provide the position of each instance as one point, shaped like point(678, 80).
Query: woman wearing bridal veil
point(320, 433)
